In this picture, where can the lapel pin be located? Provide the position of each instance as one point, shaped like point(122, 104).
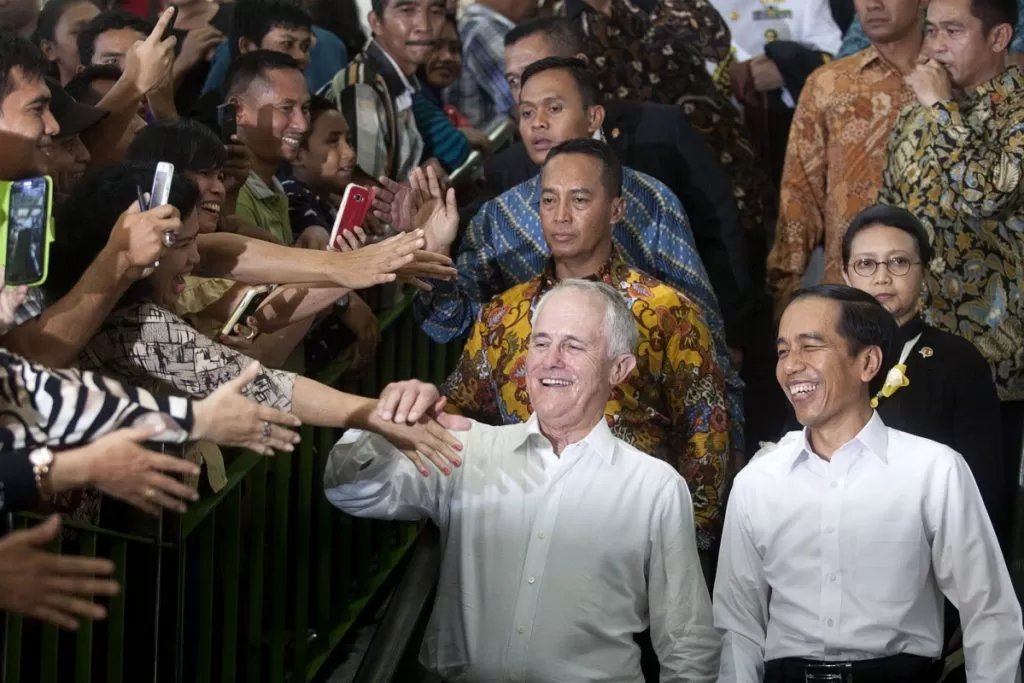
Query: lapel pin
point(615, 133)
point(926, 352)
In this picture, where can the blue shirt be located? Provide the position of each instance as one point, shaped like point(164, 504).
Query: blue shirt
point(327, 58)
point(504, 246)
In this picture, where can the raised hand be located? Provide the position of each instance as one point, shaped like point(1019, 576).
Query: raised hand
point(198, 46)
point(237, 166)
point(57, 589)
point(395, 204)
point(137, 239)
point(148, 62)
point(119, 466)
point(229, 418)
point(438, 214)
point(11, 299)
point(930, 81)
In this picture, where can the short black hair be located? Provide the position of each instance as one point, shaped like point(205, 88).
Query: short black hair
point(318, 106)
point(992, 13)
point(107, 21)
point(186, 143)
point(378, 6)
point(563, 37)
point(892, 217)
point(585, 78)
point(18, 52)
point(863, 322)
point(254, 19)
point(84, 221)
point(253, 66)
point(611, 167)
point(81, 84)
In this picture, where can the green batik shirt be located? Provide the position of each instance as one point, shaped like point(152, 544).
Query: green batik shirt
point(957, 167)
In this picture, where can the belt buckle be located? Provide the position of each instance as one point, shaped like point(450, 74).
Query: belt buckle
point(828, 673)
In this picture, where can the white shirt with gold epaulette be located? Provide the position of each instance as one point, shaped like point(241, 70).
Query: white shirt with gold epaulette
point(756, 22)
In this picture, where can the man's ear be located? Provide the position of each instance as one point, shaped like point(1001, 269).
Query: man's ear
point(872, 364)
point(618, 209)
point(374, 21)
point(245, 46)
point(999, 37)
point(622, 368)
point(595, 117)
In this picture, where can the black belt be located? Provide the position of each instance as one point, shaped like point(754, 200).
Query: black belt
point(901, 668)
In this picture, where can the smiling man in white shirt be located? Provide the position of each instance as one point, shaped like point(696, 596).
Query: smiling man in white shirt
point(841, 539)
point(560, 541)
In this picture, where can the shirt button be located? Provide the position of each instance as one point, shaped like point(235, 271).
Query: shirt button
point(830, 621)
point(521, 629)
point(531, 580)
point(829, 529)
point(833, 484)
point(542, 535)
point(832, 578)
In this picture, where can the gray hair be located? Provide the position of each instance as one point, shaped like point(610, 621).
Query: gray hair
point(620, 330)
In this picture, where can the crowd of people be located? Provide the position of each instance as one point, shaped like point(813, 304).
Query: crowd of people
point(616, 208)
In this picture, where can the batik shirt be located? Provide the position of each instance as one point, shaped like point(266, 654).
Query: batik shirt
point(834, 161)
point(957, 167)
point(671, 407)
point(656, 51)
point(504, 246)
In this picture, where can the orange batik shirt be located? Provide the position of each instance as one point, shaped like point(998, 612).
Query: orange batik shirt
point(834, 161)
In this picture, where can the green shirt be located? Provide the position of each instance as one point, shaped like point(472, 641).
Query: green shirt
point(265, 207)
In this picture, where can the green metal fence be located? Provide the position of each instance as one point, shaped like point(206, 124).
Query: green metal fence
point(257, 583)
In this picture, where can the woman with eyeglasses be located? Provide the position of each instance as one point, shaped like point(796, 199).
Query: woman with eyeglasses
point(943, 389)
point(946, 393)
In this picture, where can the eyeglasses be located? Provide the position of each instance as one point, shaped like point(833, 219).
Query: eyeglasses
point(897, 266)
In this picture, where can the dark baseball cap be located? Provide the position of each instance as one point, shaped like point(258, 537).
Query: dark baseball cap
point(72, 116)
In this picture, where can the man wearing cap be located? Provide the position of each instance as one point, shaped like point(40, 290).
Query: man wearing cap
point(69, 157)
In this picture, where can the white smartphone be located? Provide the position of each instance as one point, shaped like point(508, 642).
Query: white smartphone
point(161, 190)
point(250, 303)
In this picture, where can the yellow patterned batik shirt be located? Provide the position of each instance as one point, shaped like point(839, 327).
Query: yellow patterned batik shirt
point(957, 167)
point(671, 407)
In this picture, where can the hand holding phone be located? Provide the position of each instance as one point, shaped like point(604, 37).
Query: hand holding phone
point(27, 238)
point(227, 119)
point(355, 205)
point(246, 308)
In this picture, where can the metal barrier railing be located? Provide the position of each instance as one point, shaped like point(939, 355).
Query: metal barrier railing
point(259, 582)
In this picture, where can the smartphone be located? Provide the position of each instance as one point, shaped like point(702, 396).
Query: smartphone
point(160, 193)
point(28, 233)
point(355, 205)
point(227, 119)
point(170, 25)
point(250, 303)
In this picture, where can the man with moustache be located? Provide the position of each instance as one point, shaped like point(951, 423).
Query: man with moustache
point(836, 148)
point(375, 91)
point(955, 161)
point(560, 541)
point(841, 540)
point(504, 244)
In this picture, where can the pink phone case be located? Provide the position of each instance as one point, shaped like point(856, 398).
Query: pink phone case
point(355, 206)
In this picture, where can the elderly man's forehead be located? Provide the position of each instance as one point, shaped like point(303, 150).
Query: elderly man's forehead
point(568, 310)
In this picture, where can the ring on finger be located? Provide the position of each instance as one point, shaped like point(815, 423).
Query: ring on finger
point(169, 238)
point(266, 429)
point(250, 334)
point(150, 494)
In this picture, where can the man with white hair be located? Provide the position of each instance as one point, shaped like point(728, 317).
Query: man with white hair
point(560, 541)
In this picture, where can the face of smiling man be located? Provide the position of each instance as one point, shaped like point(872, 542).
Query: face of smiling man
point(569, 371)
point(273, 115)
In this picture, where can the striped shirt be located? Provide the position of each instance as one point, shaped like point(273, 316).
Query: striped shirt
point(62, 408)
point(481, 92)
point(441, 139)
point(504, 246)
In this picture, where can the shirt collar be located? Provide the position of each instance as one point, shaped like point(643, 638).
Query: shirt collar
point(613, 272)
point(389, 69)
point(1006, 85)
point(260, 190)
point(908, 331)
point(600, 441)
point(476, 9)
point(573, 8)
point(873, 437)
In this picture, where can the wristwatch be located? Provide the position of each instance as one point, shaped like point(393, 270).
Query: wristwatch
point(42, 460)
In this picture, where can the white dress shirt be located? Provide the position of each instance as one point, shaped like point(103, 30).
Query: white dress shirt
point(550, 564)
point(753, 23)
point(845, 560)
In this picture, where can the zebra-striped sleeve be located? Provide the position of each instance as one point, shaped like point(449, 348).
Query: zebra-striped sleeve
point(39, 406)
